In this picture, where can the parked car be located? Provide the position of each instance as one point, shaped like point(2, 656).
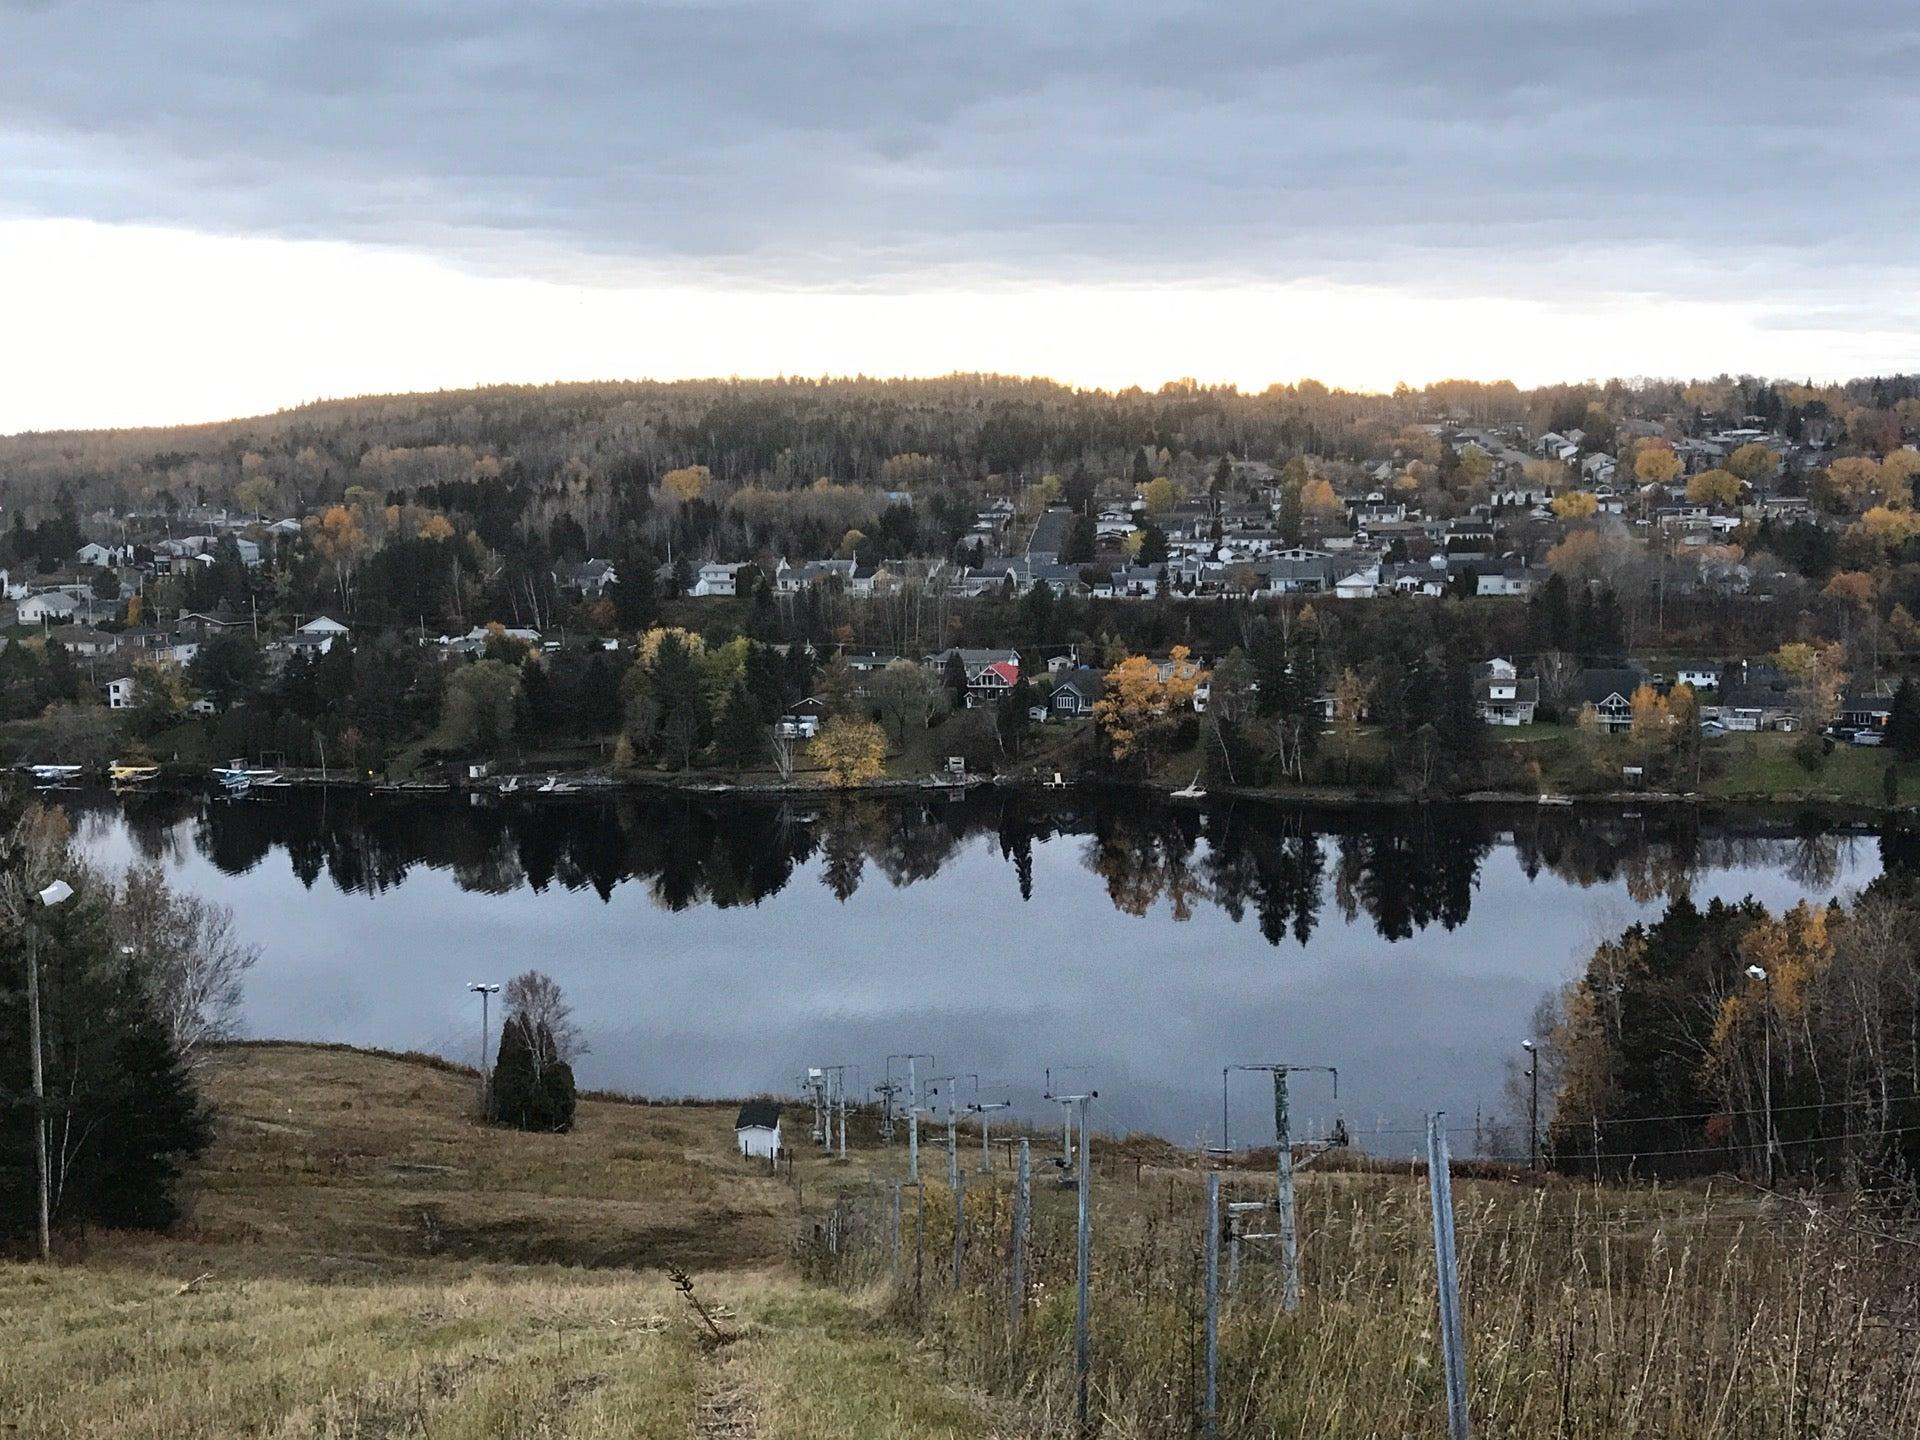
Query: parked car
point(1868, 737)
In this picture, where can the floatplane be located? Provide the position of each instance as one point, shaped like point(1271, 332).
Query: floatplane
point(122, 774)
point(46, 777)
point(236, 779)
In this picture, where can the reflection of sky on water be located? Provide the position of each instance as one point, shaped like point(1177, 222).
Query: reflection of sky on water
point(710, 1000)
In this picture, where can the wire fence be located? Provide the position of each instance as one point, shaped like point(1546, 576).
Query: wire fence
point(1705, 1311)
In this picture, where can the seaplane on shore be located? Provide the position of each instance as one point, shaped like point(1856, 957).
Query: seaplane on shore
point(121, 773)
point(236, 779)
point(48, 776)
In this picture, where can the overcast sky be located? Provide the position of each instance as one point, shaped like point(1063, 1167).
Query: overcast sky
point(209, 207)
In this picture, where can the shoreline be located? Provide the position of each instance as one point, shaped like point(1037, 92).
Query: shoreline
point(581, 785)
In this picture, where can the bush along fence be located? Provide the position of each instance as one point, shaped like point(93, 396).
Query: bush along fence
point(1570, 1309)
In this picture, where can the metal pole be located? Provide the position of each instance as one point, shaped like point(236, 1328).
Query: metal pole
point(1453, 1345)
point(1533, 1112)
point(913, 1124)
point(1082, 1340)
point(1766, 1080)
point(1226, 1145)
point(39, 1094)
point(840, 1079)
point(1283, 1194)
point(953, 1179)
point(1017, 1290)
point(894, 1236)
point(1210, 1414)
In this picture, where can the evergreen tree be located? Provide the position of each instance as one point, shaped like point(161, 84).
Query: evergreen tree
point(532, 1087)
point(119, 1097)
point(1153, 545)
point(955, 679)
point(1015, 722)
point(740, 738)
point(1903, 725)
point(1083, 537)
point(680, 702)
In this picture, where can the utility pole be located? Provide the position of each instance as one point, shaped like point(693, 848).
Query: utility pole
point(1533, 1105)
point(954, 1183)
point(983, 1110)
point(1453, 1345)
point(1022, 1199)
point(886, 1090)
point(58, 893)
point(486, 993)
point(1283, 1174)
point(1759, 976)
point(1210, 1411)
point(1083, 1254)
point(913, 1115)
point(837, 1093)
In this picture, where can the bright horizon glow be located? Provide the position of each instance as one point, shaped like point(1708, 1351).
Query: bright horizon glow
point(115, 326)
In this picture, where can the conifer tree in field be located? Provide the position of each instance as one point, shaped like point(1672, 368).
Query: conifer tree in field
point(122, 1113)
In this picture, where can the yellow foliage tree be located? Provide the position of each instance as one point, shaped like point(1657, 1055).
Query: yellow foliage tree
point(1851, 587)
point(1652, 716)
point(689, 482)
point(1159, 494)
point(1887, 527)
point(850, 751)
point(1817, 674)
point(1576, 505)
point(436, 527)
point(1714, 487)
point(1854, 480)
point(1139, 706)
point(1317, 497)
point(1897, 472)
point(1753, 463)
point(1656, 464)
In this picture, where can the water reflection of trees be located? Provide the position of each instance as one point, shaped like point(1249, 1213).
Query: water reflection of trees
point(1403, 869)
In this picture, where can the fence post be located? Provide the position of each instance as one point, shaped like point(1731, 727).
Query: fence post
point(893, 1235)
point(1453, 1343)
point(1283, 1194)
point(959, 1224)
point(1082, 1340)
point(1017, 1293)
point(919, 1239)
point(1210, 1414)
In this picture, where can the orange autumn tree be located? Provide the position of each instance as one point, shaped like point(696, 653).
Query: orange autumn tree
point(851, 752)
point(1140, 707)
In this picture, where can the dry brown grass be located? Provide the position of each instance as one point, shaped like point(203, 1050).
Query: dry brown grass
point(363, 1259)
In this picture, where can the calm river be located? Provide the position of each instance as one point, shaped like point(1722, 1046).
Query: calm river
point(720, 948)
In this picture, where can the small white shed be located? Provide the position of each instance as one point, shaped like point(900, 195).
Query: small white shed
point(757, 1129)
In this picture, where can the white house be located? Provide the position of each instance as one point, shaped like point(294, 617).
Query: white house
point(756, 1130)
point(322, 625)
point(93, 553)
point(119, 693)
point(1503, 696)
point(714, 578)
point(52, 605)
point(1699, 674)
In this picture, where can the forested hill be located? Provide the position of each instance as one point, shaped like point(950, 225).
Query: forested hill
point(793, 431)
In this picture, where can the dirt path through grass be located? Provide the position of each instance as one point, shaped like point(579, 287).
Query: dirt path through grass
point(724, 1408)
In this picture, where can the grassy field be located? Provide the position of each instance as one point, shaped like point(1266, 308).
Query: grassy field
point(361, 1259)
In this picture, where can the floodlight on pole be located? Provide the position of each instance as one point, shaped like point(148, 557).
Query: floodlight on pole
point(1758, 975)
point(486, 992)
point(57, 893)
point(1533, 1104)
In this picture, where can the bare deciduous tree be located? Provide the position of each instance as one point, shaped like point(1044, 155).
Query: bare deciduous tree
point(534, 999)
point(190, 952)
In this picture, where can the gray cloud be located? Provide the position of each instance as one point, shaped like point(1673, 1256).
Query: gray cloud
point(1503, 145)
